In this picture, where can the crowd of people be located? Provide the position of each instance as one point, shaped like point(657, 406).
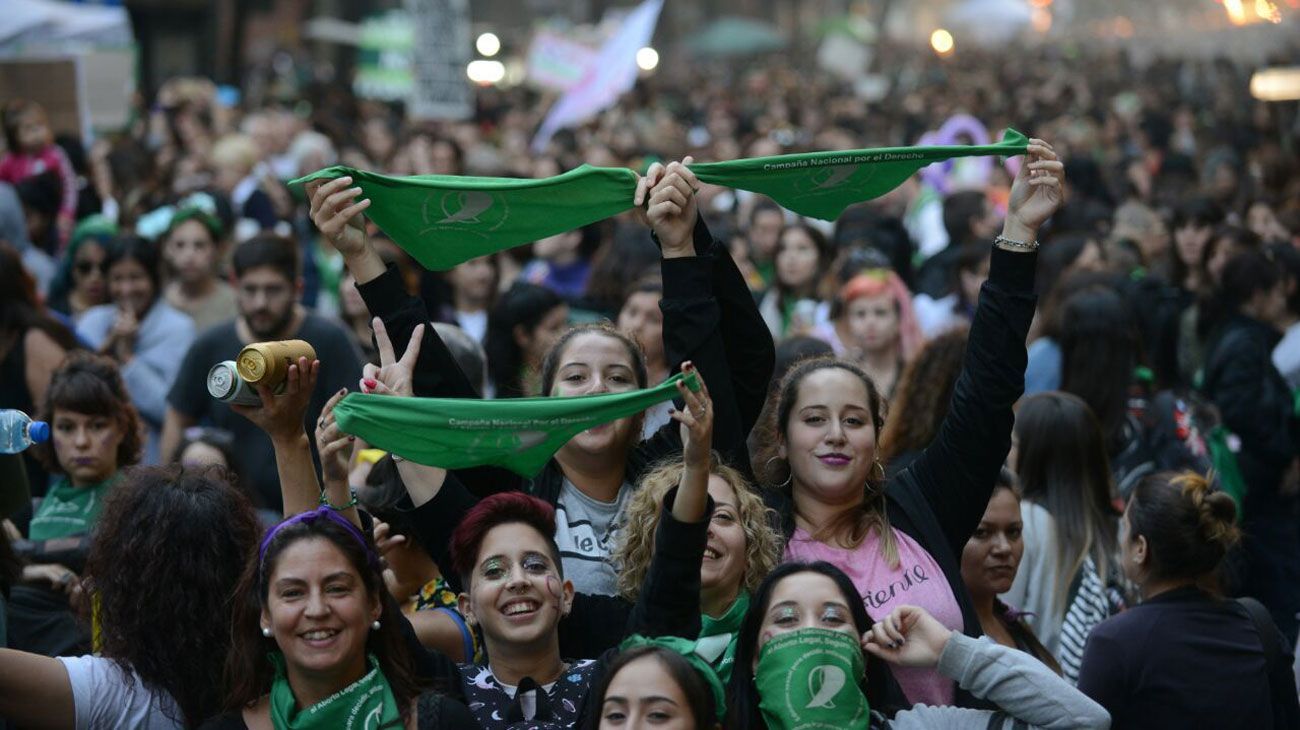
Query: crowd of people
point(1015, 444)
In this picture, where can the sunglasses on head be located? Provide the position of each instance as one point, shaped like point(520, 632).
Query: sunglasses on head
point(85, 267)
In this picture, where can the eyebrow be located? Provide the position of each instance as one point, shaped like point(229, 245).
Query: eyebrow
point(647, 699)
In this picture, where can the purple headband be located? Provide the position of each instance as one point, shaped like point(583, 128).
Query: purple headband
point(326, 512)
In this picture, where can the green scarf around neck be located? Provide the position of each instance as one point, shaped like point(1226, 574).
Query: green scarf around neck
point(67, 510)
point(519, 434)
point(444, 220)
point(808, 680)
point(366, 704)
point(717, 642)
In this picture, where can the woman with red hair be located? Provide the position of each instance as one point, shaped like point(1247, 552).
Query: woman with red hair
point(875, 326)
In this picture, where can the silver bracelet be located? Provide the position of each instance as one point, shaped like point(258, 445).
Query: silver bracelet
point(396, 459)
point(1018, 245)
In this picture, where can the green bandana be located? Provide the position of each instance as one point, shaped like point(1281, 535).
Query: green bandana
point(444, 220)
point(691, 652)
point(519, 434)
point(823, 184)
point(717, 641)
point(808, 680)
point(366, 704)
point(68, 510)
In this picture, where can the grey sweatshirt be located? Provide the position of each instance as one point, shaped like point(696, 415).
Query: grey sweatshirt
point(1021, 685)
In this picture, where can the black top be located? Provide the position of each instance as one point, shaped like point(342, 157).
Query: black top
point(1185, 659)
point(939, 499)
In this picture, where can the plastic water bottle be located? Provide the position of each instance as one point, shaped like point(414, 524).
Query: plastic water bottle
point(18, 431)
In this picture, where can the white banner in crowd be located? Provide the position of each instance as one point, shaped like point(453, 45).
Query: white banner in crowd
point(556, 62)
point(612, 72)
point(439, 89)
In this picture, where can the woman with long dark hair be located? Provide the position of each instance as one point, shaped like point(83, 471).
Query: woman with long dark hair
point(142, 332)
point(808, 655)
point(1070, 525)
point(900, 538)
point(164, 623)
point(32, 344)
point(521, 328)
point(1257, 406)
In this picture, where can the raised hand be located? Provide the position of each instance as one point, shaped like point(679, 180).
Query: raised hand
point(672, 209)
point(332, 444)
point(908, 637)
point(1037, 193)
point(281, 417)
point(338, 217)
point(392, 376)
point(697, 423)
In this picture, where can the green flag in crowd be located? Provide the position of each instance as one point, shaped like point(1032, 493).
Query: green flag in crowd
point(519, 434)
point(444, 220)
point(822, 184)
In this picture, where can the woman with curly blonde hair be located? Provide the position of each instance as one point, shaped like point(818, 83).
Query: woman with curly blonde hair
point(743, 546)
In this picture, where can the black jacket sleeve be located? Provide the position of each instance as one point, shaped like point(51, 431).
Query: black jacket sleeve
point(437, 375)
point(692, 322)
point(956, 473)
point(669, 601)
point(594, 625)
point(436, 519)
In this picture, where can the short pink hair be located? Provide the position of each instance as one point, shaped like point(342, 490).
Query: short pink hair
point(876, 282)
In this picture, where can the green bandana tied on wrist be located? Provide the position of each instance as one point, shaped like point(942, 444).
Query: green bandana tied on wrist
point(519, 434)
point(689, 650)
point(365, 704)
point(717, 641)
point(808, 680)
point(444, 220)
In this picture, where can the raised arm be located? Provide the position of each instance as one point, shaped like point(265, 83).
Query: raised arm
point(1026, 690)
point(281, 417)
point(668, 603)
point(956, 473)
point(692, 318)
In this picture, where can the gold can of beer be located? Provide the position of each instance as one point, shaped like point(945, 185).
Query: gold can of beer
point(268, 363)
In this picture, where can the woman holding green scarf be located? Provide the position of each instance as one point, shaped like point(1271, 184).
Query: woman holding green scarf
point(900, 540)
point(803, 658)
point(593, 474)
point(94, 433)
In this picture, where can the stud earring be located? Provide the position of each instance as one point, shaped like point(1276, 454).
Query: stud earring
point(266, 631)
point(375, 626)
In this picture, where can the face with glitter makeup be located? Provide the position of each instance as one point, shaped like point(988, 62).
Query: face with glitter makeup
point(516, 592)
point(805, 600)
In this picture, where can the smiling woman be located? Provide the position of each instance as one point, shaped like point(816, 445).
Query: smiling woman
point(139, 330)
point(313, 600)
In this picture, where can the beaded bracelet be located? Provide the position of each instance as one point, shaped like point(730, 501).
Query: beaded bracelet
point(324, 501)
point(1018, 245)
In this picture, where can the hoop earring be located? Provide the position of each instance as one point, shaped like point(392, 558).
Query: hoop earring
point(789, 472)
point(877, 465)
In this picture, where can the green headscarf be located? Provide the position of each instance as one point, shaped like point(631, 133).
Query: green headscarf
point(718, 636)
point(688, 650)
point(520, 434)
point(444, 220)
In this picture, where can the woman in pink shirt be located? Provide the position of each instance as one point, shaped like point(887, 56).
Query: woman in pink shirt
point(901, 543)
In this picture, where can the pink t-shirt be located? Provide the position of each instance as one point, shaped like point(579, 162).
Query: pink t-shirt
point(918, 581)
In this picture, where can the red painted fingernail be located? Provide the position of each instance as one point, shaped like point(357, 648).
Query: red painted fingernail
point(370, 383)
